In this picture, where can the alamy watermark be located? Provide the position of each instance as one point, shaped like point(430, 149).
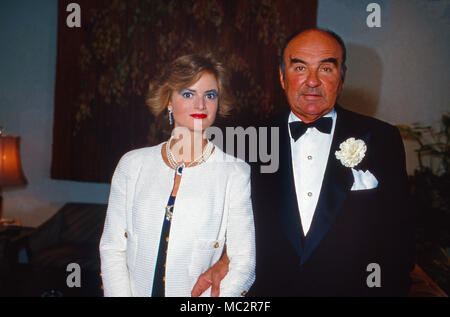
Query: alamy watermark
point(374, 278)
point(73, 20)
point(374, 18)
point(74, 278)
point(250, 144)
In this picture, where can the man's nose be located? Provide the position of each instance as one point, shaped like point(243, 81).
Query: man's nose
point(312, 80)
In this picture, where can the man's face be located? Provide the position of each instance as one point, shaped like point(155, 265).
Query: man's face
point(312, 80)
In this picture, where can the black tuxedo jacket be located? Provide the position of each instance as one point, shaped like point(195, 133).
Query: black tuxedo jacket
point(350, 229)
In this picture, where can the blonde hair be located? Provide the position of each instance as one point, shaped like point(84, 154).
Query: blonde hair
point(182, 73)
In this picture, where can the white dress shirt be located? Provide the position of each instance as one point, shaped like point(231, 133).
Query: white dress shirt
point(309, 161)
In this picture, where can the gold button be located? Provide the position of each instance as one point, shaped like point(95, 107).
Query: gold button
point(167, 239)
point(164, 278)
point(244, 293)
point(126, 234)
point(216, 245)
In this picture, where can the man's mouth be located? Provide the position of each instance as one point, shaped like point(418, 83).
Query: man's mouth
point(311, 96)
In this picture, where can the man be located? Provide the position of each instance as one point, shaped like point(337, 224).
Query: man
point(334, 219)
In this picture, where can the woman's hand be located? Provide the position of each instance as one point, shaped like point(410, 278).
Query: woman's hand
point(212, 277)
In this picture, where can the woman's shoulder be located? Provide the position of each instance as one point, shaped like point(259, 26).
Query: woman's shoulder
point(137, 156)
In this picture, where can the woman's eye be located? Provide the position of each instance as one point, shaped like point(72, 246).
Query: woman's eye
point(187, 94)
point(211, 95)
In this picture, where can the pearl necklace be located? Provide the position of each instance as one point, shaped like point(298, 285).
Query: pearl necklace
point(202, 158)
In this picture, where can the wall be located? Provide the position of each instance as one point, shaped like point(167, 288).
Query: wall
point(27, 79)
point(398, 73)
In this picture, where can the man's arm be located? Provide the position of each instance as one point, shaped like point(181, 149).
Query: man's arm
point(397, 245)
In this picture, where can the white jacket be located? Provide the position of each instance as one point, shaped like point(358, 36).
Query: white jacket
point(212, 209)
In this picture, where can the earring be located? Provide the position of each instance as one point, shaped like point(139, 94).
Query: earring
point(170, 117)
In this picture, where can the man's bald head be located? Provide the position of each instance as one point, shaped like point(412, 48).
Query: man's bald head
point(318, 32)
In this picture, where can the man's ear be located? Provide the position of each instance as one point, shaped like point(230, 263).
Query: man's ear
point(281, 77)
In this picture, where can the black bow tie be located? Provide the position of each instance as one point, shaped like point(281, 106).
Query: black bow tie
point(298, 128)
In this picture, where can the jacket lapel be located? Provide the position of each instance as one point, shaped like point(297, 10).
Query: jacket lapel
point(336, 183)
point(287, 213)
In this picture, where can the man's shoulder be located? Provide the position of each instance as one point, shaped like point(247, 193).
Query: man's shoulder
point(364, 121)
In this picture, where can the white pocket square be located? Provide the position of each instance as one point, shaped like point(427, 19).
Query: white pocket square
point(363, 180)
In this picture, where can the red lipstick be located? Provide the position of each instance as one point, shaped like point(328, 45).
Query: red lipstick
point(198, 116)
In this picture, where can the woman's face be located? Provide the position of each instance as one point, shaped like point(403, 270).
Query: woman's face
point(195, 107)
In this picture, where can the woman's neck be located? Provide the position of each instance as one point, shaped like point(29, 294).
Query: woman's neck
point(188, 146)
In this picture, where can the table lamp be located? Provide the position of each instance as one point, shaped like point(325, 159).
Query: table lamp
point(11, 173)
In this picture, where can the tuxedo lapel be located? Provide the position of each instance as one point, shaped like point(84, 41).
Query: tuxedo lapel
point(287, 213)
point(336, 183)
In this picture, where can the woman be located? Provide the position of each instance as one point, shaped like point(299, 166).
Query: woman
point(173, 207)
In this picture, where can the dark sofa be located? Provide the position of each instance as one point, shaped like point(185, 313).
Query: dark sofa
point(39, 260)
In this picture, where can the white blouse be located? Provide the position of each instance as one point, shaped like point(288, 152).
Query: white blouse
point(212, 209)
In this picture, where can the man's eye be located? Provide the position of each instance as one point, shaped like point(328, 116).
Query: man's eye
point(300, 68)
point(211, 95)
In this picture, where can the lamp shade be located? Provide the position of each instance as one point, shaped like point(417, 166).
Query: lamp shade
point(11, 172)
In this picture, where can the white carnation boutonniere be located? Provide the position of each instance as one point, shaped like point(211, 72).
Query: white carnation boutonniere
point(351, 152)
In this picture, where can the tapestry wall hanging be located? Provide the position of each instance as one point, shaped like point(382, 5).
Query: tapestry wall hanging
point(105, 66)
